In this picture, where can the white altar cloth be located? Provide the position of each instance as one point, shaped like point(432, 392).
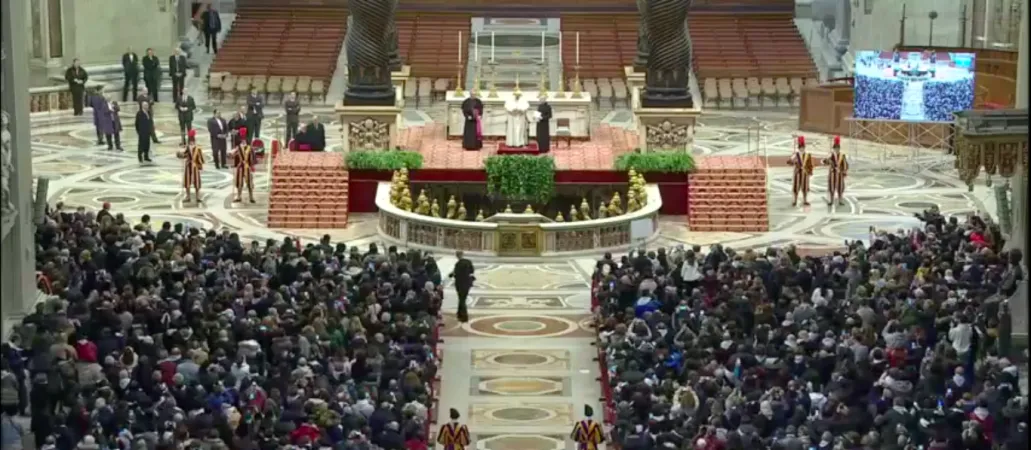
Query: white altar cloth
point(495, 119)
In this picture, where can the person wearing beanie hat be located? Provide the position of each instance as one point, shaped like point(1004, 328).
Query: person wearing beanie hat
point(838, 170)
point(244, 162)
point(802, 161)
point(194, 158)
point(453, 435)
point(587, 433)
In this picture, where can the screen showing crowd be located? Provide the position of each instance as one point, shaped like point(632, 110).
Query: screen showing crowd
point(913, 86)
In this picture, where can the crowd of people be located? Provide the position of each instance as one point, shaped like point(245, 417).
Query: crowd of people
point(878, 98)
point(901, 343)
point(943, 98)
point(165, 336)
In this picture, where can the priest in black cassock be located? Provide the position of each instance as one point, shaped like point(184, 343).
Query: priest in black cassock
point(544, 127)
point(472, 131)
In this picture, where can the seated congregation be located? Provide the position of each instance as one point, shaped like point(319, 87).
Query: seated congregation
point(901, 344)
point(175, 337)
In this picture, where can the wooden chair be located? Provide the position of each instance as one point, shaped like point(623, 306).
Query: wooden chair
point(227, 85)
point(563, 131)
point(243, 87)
point(604, 92)
point(726, 93)
point(303, 87)
point(318, 90)
point(425, 90)
point(288, 85)
point(710, 93)
point(412, 91)
point(215, 83)
point(784, 89)
point(274, 87)
point(619, 92)
point(740, 92)
point(769, 90)
point(439, 91)
point(755, 90)
point(259, 83)
point(796, 89)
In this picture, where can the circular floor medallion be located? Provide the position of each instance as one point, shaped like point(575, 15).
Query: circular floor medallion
point(114, 200)
point(520, 326)
point(520, 442)
point(521, 359)
point(521, 414)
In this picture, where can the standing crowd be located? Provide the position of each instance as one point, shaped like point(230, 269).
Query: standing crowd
point(903, 343)
point(172, 337)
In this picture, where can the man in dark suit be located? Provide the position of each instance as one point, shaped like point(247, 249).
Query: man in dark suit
point(177, 70)
point(316, 134)
point(145, 131)
point(76, 77)
point(152, 74)
point(185, 106)
point(131, 74)
point(143, 102)
point(255, 112)
point(293, 116)
point(219, 131)
point(211, 22)
point(463, 276)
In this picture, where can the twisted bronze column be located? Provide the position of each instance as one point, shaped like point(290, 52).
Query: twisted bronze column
point(393, 47)
point(669, 57)
point(641, 60)
point(368, 61)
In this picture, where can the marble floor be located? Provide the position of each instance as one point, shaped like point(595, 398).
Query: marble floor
point(521, 370)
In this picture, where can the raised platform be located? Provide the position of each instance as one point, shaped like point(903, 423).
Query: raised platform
point(598, 153)
point(309, 190)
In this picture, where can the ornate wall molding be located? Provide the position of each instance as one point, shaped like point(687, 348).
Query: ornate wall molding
point(8, 210)
point(667, 135)
point(368, 134)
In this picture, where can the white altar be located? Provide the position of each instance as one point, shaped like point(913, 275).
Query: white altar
point(577, 110)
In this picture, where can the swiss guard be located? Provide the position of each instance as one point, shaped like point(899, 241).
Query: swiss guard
point(587, 433)
point(453, 435)
point(244, 161)
point(838, 171)
point(802, 162)
point(194, 158)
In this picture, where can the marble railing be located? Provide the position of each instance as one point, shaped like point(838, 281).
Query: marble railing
point(493, 239)
point(49, 99)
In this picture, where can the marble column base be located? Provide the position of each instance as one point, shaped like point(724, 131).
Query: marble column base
point(663, 129)
point(369, 127)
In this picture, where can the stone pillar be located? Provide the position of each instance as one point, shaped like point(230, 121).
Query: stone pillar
point(1018, 237)
point(17, 248)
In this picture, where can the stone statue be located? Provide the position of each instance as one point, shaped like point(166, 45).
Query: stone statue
point(463, 214)
point(529, 209)
point(508, 209)
point(641, 60)
point(616, 205)
point(368, 61)
point(669, 55)
point(479, 216)
point(393, 49)
point(603, 210)
point(435, 208)
point(452, 207)
point(406, 200)
point(573, 216)
point(585, 209)
point(8, 210)
point(559, 218)
point(423, 204)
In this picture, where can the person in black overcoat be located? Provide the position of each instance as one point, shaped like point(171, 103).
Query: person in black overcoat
point(219, 130)
point(235, 124)
point(544, 127)
point(76, 77)
point(145, 131)
point(316, 135)
point(472, 131)
point(152, 74)
point(463, 276)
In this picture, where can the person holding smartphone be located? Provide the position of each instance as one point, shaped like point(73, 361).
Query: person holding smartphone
point(463, 276)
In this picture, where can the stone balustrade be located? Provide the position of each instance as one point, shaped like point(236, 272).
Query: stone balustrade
point(525, 239)
point(50, 99)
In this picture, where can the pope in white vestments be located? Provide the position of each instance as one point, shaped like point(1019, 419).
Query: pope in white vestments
point(517, 130)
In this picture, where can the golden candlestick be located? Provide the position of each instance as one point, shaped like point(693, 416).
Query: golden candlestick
point(493, 82)
point(577, 90)
point(543, 93)
point(458, 88)
point(517, 90)
point(561, 84)
point(476, 85)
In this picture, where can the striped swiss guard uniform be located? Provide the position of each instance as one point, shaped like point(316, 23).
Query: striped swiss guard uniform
point(194, 164)
point(838, 171)
point(587, 433)
point(802, 161)
point(453, 435)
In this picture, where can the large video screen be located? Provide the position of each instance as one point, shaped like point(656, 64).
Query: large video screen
point(913, 86)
